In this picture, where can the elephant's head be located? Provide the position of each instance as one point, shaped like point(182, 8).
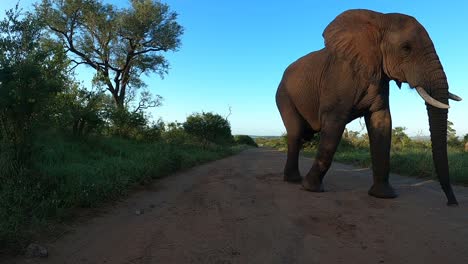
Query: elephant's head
point(396, 47)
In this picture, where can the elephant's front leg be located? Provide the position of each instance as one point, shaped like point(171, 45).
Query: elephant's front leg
point(330, 136)
point(379, 128)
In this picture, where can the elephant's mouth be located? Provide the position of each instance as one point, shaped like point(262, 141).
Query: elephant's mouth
point(398, 83)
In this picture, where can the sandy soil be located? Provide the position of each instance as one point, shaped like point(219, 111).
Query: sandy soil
point(238, 210)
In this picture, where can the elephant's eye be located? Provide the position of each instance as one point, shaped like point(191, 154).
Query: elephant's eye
point(406, 48)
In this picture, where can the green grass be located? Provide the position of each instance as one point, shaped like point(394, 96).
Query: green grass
point(407, 162)
point(412, 160)
point(69, 173)
point(416, 162)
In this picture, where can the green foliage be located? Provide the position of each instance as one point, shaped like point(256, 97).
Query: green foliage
point(352, 139)
point(72, 172)
point(175, 134)
point(399, 138)
point(408, 157)
point(451, 132)
point(126, 124)
point(63, 146)
point(452, 139)
point(244, 139)
point(133, 125)
point(119, 44)
point(312, 143)
point(31, 72)
point(271, 142)
point(209, 127)
point(79, 110)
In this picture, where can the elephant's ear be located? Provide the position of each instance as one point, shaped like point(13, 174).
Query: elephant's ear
point(355, 35)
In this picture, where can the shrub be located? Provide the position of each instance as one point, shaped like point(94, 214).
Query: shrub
point(124, 123)
point(175, 134)
point(30, 74)
point(244, 139)
point(209, 127)
point(272, 142)
point(312, 143)
point(78, 110)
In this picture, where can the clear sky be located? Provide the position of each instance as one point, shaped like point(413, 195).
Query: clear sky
point(233, 54)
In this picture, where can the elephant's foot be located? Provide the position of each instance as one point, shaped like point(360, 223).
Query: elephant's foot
point(382, 190)
point(293, 177)
point(312, 186)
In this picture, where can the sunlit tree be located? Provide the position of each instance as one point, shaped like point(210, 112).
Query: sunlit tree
point(120, 44)
point(208, 127)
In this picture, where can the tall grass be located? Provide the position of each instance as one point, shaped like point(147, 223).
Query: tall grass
point(412, 159)
point(411, 162)
point(69, 173)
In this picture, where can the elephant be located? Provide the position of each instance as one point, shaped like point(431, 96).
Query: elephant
point(349, 78)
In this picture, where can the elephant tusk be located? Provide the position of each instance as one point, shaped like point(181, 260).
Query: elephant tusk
point(454, 97)
point(430, 100)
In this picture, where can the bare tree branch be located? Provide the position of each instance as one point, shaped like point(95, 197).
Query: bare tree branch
point(148, 50)
point(230, 112)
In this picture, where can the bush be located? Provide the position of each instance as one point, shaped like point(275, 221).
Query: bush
point(400, 139)
point(244, 139)
point(209, 127)
point(78, 110)
point(175, 134)
point(312, 143)
point(30, 74)
point(133, 125)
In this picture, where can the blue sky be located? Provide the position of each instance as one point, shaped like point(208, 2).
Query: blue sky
point(233, 54)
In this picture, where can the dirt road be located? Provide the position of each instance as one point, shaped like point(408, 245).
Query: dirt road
point(238, 210)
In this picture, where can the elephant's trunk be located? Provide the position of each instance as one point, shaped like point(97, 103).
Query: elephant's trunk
point(438, 89)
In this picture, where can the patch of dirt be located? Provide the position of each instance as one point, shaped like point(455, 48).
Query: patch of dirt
point(238, 210)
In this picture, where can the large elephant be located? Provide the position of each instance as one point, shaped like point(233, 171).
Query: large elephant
point(349, 78)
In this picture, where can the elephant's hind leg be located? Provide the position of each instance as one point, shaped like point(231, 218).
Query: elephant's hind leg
point(295, 126)
point(291, 169)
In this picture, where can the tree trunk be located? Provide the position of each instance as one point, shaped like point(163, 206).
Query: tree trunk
point(118, 100)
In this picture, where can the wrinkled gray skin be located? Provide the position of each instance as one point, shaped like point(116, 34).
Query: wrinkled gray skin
point(349, 78)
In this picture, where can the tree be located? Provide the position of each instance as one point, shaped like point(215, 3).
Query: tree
point(79, 109)
point(245, 140)
point(119, 44)
point(209, 127)
point(451, 132)
point(31, 72)
point(399, 137)
point(452, 139)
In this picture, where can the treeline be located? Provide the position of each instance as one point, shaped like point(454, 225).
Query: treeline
point(64, 145)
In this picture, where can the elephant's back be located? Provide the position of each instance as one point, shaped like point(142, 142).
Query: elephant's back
point(301, 81)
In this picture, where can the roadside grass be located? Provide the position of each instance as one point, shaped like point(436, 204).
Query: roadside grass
point(71, 173)
point(413, 160)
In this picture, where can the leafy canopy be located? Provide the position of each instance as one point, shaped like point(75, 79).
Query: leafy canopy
point(208, 127)
point(119, 44)
point(32, 70)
